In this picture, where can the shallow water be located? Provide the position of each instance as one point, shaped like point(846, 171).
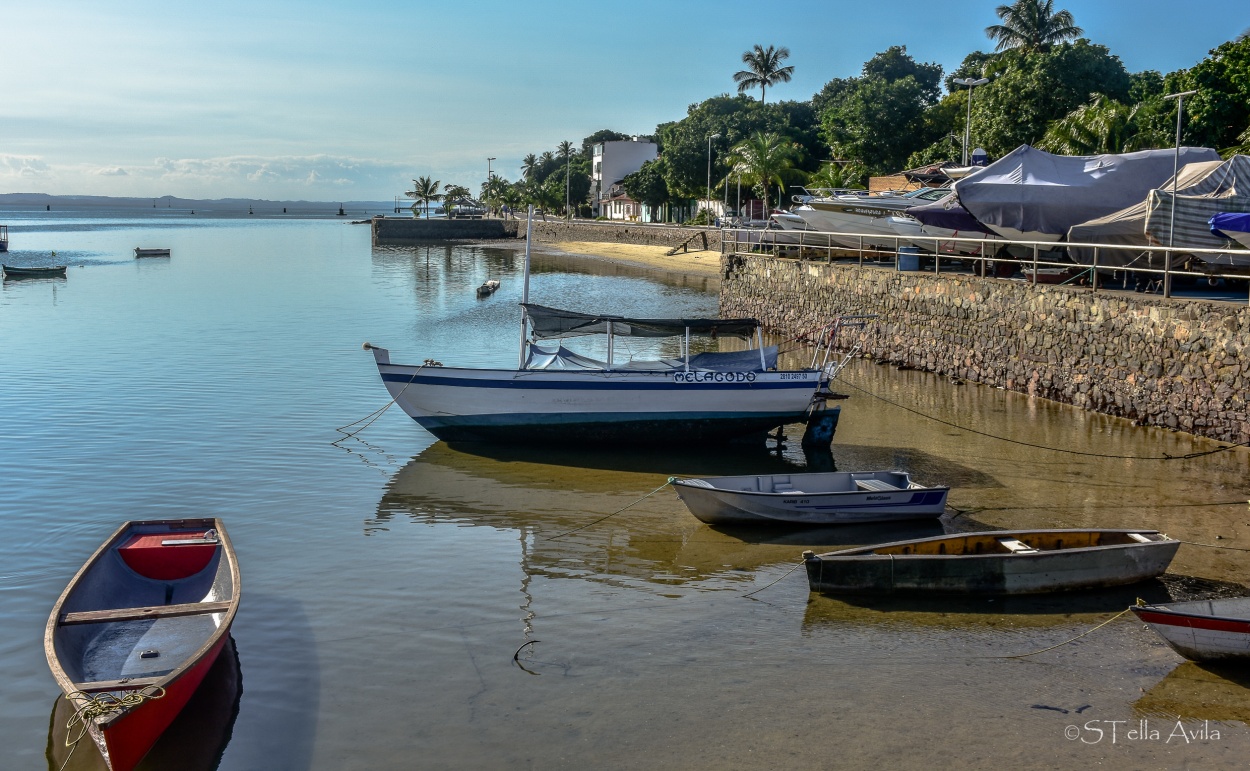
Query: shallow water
point(388, 580)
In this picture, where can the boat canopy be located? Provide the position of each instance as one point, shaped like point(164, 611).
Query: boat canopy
point(948, 213)
point(1224, 223)
point(710, 361)
point(548, 323)
point(1203, 190)
point(1033, 191)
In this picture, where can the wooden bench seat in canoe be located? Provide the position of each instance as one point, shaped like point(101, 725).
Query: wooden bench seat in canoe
point(1016, 546)
point(136, 614)
point(125, 684)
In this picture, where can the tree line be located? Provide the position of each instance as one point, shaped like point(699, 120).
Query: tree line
point(1045, 85)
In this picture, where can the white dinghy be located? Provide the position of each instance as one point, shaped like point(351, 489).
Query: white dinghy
point(829, 498)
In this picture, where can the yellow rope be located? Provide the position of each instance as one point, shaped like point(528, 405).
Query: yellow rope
point(1065, 642)
point(93, 707)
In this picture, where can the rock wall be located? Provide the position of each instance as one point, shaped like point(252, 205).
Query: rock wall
point(1167, 362)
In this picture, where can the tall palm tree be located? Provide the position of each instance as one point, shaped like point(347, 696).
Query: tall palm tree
point(764, 159)
point(565, 149)
point(1032, 25)
point(763, 69)
point(425, 191)
point(529, 165)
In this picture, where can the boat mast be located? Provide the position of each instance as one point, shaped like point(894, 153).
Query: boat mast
point(525, 287)
point(759, 343)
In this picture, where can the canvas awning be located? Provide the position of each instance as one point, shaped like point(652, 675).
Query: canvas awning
point(548, 323)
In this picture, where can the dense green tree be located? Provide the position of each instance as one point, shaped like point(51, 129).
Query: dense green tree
point(977, 64)
point(647, 185)
point(894, 64)
point(684, 143)
point(425, 191)
point(529, 166)
point(1220, 111)
point(1033, 89)
point(1144, 85)
point(831, 94)
point(1032, 25)
point(764, 69)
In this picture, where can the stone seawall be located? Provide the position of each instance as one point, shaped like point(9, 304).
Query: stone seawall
point(399, 231)
point(1182, 364)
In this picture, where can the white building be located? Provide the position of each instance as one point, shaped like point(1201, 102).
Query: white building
point(612, 161)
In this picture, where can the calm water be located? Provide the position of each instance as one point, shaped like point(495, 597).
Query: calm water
point(389, 580)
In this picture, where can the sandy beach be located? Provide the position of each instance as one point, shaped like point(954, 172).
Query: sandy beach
point(701, 263)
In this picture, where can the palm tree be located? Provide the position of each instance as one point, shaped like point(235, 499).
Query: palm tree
point(1032, 25)
point(425, 191)
point(764, 159)
point(565, 149)
point(529, 164)
point(1101, 126)
point(763, 69)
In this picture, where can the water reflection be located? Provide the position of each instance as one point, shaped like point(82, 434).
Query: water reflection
point(195, 741)
point(1199, 692)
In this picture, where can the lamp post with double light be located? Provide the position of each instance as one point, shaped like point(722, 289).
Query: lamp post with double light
point(1176, 166)
point(971, 83)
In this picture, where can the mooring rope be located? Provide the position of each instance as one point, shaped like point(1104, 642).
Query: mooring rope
point(788, 572)
point(1164, 456)
point(613, 514)
point(373, 416)
point(93, 707)
point(1065, 642)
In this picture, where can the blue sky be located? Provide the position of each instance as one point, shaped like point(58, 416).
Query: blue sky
point(331, 101)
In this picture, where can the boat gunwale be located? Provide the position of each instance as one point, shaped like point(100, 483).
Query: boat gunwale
point(67, 684)
point(1163, 610)
point(796, 493)
point(867, 551)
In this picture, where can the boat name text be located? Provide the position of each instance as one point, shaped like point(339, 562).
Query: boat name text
point(713, 377)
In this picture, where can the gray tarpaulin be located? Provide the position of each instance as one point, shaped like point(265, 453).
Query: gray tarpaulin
point(1202, 190)
point(1034, 191)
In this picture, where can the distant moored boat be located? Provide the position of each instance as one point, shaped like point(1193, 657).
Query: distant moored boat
point(141, 252)
point(46, 271)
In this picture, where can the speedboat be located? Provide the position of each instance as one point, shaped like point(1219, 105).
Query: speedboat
point(856, 218)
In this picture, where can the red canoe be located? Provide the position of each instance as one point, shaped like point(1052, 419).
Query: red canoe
point(139, 627)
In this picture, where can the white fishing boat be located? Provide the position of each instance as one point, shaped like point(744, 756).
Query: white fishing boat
point(1202, 630)
point(828, 498)
point(557, 395)
point(856, 218)
point(995, 562)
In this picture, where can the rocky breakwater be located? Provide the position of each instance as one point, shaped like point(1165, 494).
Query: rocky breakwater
point(1177, 363)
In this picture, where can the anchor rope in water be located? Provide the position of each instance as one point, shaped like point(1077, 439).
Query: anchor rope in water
point(373, 416)
point(92, 707)
point(1164, 456)
point(613, 514)
point(1065, 642)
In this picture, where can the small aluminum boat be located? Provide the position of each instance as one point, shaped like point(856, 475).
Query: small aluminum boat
point(829, 498)
point(44, 271)
point(996, 562)
point(487, 288)
point(142, 252)
point(1202, 630)
point(140, 626)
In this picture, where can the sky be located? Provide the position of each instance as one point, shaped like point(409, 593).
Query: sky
point(334, 101)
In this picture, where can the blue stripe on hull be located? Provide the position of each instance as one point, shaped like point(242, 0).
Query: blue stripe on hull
point(605, 385)
point(622, 428)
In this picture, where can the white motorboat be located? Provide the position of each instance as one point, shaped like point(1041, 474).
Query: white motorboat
point(852, 218)
point(828, 498)
point(556, 395)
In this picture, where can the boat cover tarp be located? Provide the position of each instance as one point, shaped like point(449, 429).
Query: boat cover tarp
point(711, 361)
point(1031, 190)
point(1227, 223)
point(1203, 190)
point(948, 213)
point(548, 323)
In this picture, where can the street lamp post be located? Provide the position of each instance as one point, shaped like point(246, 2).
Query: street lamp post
point(1176, 163)
point(971, 84)
point(488, 177)
point(709, 174)
point(568, 156)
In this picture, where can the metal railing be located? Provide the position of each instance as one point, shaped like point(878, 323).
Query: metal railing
point(1033, 258)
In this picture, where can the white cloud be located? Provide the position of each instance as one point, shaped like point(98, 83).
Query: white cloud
point(115, 171)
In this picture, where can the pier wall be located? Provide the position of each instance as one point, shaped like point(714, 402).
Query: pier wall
point(1182, 364)
point(396, 231)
